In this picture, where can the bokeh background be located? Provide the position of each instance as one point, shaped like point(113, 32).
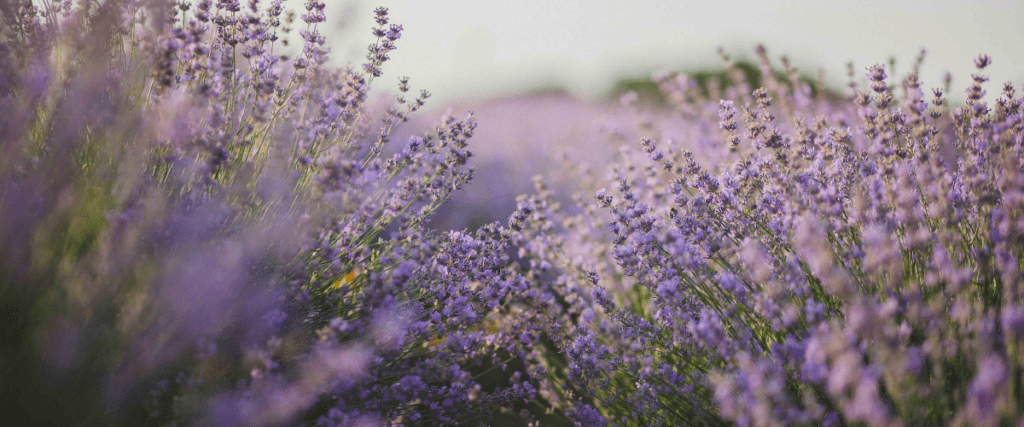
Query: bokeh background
point(543, 76)
point(465, 49)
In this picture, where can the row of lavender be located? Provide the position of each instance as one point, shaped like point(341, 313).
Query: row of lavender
point(854, 261)
point(201, 225)
point(205, 225)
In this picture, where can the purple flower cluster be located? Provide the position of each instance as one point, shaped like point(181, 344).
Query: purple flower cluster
point(839, 262)
point(201, 225)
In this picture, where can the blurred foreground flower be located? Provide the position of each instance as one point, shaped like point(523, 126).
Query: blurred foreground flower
point(200, 225)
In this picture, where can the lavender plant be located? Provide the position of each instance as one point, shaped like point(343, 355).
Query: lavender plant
point(820, 261)
point(201, 225)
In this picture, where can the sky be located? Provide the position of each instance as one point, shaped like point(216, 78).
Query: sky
point(472, 50)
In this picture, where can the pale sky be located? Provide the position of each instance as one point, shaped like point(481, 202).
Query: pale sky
point(480, 49)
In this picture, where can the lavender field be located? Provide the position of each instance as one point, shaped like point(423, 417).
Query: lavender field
point(206, 220)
